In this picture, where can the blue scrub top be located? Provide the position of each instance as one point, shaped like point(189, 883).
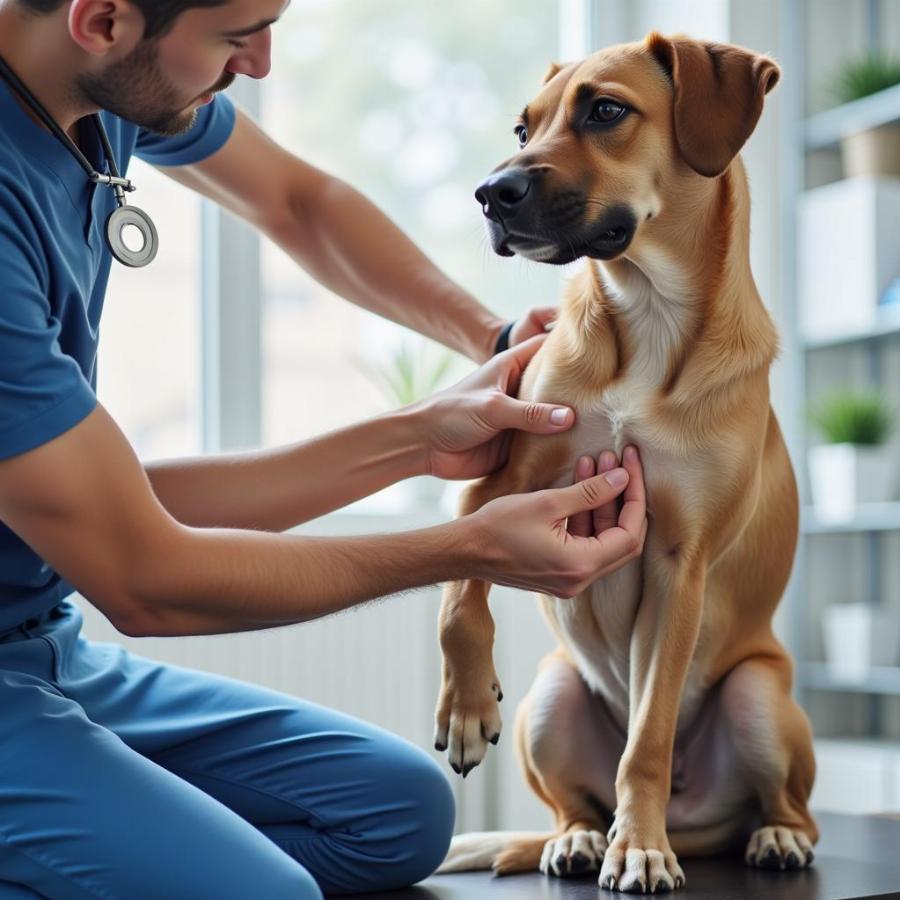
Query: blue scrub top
point(54, 267)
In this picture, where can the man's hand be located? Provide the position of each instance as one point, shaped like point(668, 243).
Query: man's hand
point(534, 322)
point(468, 426)
point(531, 546)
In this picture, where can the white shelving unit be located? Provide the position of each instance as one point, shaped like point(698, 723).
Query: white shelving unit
point(803, 136)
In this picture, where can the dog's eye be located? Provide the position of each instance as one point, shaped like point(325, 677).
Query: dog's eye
point(521, 132)
point(607, 111)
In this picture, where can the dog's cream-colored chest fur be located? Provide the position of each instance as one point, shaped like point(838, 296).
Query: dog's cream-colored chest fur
point(597, 628)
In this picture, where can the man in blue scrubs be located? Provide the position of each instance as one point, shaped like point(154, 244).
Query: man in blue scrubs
point(124, 778)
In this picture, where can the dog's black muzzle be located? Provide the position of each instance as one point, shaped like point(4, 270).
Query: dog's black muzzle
point(521, 218)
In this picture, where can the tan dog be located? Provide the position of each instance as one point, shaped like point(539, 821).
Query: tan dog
point(664, 722)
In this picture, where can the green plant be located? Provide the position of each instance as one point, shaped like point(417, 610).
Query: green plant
point(853, 417)
point(866, 75)
point(412, 372)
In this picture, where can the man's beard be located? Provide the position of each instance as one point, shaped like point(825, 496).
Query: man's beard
point(134, 89)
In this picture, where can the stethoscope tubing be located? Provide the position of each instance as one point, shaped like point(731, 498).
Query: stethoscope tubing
point(123, 216)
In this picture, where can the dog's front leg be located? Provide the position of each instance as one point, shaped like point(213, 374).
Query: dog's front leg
point(467, 714)
point(640, 857)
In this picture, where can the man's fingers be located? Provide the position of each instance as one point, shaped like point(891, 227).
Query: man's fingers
point(511, 364)
point(580, 523)
point(634, 508)
point(535, 321)
point(538, 418)
point(546, 315)
point(608, 514)
point(590, 493)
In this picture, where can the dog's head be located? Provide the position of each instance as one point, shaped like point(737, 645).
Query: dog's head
point(606, 139)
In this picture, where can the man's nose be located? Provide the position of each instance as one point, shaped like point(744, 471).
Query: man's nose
point(503, 193)
point(255, 60)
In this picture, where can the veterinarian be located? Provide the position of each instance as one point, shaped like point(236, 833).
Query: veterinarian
point(124, 778)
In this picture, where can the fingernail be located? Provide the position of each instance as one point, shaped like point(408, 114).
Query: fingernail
point(584, 465)
point(607, 460)
point(617, 477)
point(559, 416)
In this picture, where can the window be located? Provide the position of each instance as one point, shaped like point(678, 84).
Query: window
point(413, 106)
point(149, 357)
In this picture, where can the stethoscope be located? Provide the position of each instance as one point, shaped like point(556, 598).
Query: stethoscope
point(123, 216)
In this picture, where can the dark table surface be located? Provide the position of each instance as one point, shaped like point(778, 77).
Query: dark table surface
point(857, 856)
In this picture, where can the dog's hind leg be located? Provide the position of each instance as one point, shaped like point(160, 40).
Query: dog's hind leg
point(773, 741)
point(568, 747)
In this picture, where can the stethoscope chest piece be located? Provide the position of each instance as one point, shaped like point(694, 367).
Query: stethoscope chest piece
point(125, 217)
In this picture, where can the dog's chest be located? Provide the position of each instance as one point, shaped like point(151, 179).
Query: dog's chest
point(618, 415)
point(598, 627)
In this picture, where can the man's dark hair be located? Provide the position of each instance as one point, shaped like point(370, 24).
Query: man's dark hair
point(159, 15)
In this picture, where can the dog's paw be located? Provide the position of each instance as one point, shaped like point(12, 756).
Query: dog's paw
point(640, 869)
point(468, 719)
point(778, 847)
point(574, 853)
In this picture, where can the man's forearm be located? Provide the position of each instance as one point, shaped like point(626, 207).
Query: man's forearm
point(272, 490)
point(351, 247)
point(216, 581)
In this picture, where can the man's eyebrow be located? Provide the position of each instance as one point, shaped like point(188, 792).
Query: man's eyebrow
point(252, 29)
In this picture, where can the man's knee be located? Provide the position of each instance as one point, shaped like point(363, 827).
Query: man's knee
point(432, 812)
point(412, 834)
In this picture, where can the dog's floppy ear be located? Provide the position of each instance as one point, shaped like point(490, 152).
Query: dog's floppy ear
point(718, 96)
point(555, 69)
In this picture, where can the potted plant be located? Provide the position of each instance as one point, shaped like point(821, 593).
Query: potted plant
point(877, 150)
point(413, 371)
point(854, 465)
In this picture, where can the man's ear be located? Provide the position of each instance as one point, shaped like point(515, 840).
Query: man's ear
point(718, 92)
point(102, 27)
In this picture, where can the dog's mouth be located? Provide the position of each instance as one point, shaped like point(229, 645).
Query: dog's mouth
point(606, 239)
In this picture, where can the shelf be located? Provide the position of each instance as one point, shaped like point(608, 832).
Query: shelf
point(887, 326)
point(825, 129)
point(869, 517)
point(880, 680)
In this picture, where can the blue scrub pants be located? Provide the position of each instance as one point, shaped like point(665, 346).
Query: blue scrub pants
point(121, 777)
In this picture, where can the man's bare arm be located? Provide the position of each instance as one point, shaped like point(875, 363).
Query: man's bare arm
point(85, 505)
point(340, 238)
point(273, 490)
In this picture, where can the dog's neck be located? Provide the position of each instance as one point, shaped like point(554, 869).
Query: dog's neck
point(683, 300)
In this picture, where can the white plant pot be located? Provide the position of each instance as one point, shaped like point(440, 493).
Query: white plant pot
point(847, 254)
point(872, 153)
point(859, 636)
point(844, 475)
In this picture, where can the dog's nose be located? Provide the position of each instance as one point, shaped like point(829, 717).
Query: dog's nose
point(503, 193)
